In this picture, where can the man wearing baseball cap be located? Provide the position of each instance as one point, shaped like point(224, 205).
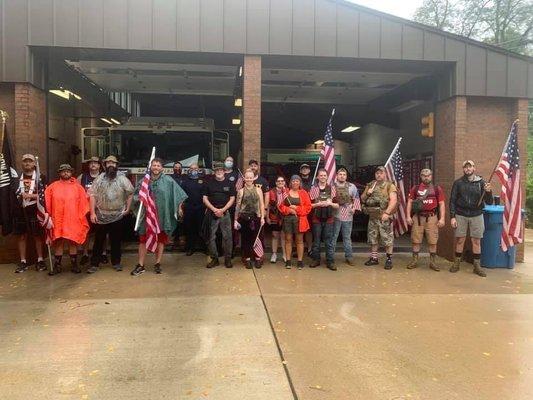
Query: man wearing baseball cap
point(67, 204)
point(25, 220)
point(466, 212)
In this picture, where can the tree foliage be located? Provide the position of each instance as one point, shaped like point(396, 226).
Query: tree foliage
point(505, 23)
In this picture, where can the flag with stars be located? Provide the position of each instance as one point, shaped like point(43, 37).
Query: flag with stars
point(394, 171)
point(328, 152)
point(508, 172)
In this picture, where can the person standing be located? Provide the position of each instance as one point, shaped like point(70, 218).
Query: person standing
point(349, 204)
point(259, 181)
point(250, 217)
point(466, 213)
point(110, 200)
point(295, 208)
point(380, 198)
point(25, 222)
point(179, 178)
point(231, 174)
point(86, 180)
point(324, 204)
point(218, 197)
point(168, 196)
point(275, 197)
point(426, 215)
point(193, 208)
point(67, 204)
point(307, 183)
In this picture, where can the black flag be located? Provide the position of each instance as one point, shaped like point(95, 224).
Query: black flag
point(7, 194)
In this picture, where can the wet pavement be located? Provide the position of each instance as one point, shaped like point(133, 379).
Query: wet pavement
point(272, 333)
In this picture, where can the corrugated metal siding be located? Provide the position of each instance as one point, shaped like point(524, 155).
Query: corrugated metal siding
point(278, 27)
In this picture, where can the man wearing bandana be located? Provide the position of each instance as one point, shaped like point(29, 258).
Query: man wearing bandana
point(25, 216)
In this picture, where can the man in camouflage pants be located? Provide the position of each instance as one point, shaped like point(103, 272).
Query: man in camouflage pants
point(380, 200)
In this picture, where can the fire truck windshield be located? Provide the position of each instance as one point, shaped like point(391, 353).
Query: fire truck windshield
point(134, 147)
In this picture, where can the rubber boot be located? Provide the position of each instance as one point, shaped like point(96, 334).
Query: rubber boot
point(433, 262)
point(456, 265)
point(477, 268)
point(414, 262)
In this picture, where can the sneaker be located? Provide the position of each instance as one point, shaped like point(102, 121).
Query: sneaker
point(212, 263)
point(157, 268)
point(92, 269)
point(84, 259)
point(300, 264)
point(104, 259)
point(139, 269)
point(314, 264)
point(288, 264)
point(40, 266)
point(274, 258)
point(227, 262)
point(331, 266)
point(22, 267)
point(372, 261)
point(117, 267)
point(349, 261)
point(388, 263)
point(248, 264)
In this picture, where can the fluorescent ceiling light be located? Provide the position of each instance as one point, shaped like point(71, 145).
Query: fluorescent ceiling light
point(319, 142)
point(240, 71)
point(350, 128)
point(106, 121)
point(238, 102)
point(115, 121)
point(236, 121)
point(61, 93)
point(407, 106)
point(77, 97)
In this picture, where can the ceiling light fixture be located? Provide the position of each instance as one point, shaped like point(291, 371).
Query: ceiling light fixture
point(115, 121)
point(61, 93)
point(238, 102)
point(350, 128)
point(236, 121)
point(106, 121)
point(319, 142)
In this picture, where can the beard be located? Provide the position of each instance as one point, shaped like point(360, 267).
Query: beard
point(65, 178)
point(111, 172)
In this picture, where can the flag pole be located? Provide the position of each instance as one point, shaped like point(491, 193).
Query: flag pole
point(320, 156)
point(393, 150)
point(3, 117)
point(38, 179)
point(138, 219)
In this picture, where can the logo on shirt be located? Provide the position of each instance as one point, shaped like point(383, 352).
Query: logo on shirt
point(231, 178)
point(422, 192)
point(226, 188)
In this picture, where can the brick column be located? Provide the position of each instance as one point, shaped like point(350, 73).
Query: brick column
point(450, 140)
point(251, 137)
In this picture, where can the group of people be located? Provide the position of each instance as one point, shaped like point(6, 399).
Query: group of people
point(233, 209)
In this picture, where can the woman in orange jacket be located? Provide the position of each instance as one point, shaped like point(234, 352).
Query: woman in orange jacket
point(295, 208)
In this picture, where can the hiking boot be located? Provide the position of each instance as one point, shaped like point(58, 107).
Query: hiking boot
point(372, 261)
point(40, 266)
point(388, 263)
point(349, 261)
point(213, 263)
point(21, 267)
point(433, 264)
point(139, 269)
point(258, 263)
point(314, 264)
point(288, 264)
point(300, 264)
point(477, 268)
point(57, 269)
point(75, 268)
point(227, 262)
point(456, 264)
point(92, 269)
point(331, 266)
point(157, 268)
point(414, 262)
point(84, 259)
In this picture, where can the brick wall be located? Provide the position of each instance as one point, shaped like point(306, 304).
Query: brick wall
point(251, 138)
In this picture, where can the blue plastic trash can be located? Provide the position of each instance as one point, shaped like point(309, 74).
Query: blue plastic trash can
point(492, 255)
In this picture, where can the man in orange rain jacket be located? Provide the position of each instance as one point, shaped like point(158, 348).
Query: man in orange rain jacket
point(68, 206)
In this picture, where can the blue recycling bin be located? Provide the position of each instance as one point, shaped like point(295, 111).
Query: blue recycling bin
point(492, 255)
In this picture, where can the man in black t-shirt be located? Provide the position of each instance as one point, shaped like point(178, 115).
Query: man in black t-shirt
point(259, 181)
point(219, 196)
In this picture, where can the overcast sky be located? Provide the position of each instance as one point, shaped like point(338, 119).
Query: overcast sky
point(401, 8)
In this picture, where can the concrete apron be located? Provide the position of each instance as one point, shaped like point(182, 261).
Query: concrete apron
point(190, 333)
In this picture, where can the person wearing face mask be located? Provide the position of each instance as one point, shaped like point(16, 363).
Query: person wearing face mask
point(110, 199)
point(67, 204)
point(193, 208)
point(231, 174)
point(177, 173)
point(466, 212)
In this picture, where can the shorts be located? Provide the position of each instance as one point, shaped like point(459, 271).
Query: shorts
point(27, 222)
point(380, 232)
point(476, 225)
point(427, 226)
point(291, 225)
point(162, 238)
point(275, 227)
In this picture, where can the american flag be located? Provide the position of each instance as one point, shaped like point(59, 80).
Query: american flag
point(42, 216)
point(345, 213)
point(240, 183)
point(314, 193)
point(258, 247)
point(151, 219)
point(394, 171)
point(328, 151)
point(508, 172)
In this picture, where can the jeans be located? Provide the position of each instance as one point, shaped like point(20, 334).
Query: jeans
point(224, 223)
point(346, 228)
point(323, 231)
point(114, 229)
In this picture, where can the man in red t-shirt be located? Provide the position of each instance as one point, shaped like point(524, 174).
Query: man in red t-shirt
point(425, 214)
